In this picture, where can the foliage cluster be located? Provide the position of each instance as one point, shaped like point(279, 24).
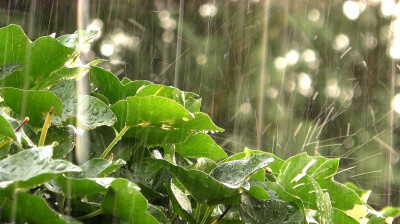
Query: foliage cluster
point(151, 159)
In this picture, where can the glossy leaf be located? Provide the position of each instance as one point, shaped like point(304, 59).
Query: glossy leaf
point(255, 211)
point(6, 129)
point(64, 137)
point(201, 186)
point(200, 145)
point(99, 168)
point(163, 91)
point(109, 85)
point(388, 214)
point(8, 69)
point(38, 59)
point(30, 208)
point(158, 213)
point(30, 168)
point(180, 202)
point(32, 104)
point(294, 179)
point(234, 173)
point(74, 187)
point(77, 39)
point(90, 111)
point(125, 201)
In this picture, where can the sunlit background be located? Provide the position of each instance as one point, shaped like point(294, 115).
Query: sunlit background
point(286, 77)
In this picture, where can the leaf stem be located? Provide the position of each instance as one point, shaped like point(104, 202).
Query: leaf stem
point(90, 215)
point(206, 214)
point(5, 141)
point(114, 141)
point(46, 126)
point(22, 124)
point(222, 215)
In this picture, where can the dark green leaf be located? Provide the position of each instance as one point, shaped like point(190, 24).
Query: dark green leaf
point(30, 168)
point(32, 209)
point(63, 136)
point(124, 201)
point(38, 102)
point(180, 202)
point(99, 168)
point(255, 211)
point(158, 213)
point(234, 173)
point(202, 186)
point(90, 111)
point(72, 187)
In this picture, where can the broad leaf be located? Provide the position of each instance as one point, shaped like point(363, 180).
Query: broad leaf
point(77, 39)
point(30, 168)
point(90, 111)
point(180, 202)
point(294, 179)
point(272, 211)
point(8, 69)
point(32, 104)
point(30, 208)
point(234, 173)
point(200, 145)
point(38, 59)
point(109, 85)
point(99, 168)
point(125, 201)
point(64, 137)
point(202, 186)
point(163, 91)
point(6, 129)
point(73, 187)
point(158, 213)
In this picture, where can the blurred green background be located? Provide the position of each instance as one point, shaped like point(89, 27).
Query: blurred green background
point(315, 76)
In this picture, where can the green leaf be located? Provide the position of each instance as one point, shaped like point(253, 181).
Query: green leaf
point(258, 192)
point(120, 110)
point(200, 145)
point(202, 186)
point(204, 164)
point(38, 59)
point(8, 69)
point(192, 102)
point(294, 179)
point(31, 103)
point(180, 202)
point(30, 208)
point(99, 168)
point(234, 173)
point(6, 129)
point(275, 166)
point(363, 194)
point(273, 210)
point(158, 213)
point(109, 85)
point(388, 214)
point(72, 187)
point(63, 136)
point(323, 204)
point(30, 168)
point(163, 91)
point(90, 111)
point(341, 217)
point(158, 126)
point(124, 201)
point(77, 39)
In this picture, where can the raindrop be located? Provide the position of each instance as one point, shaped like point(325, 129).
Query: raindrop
point(5, 165)
point(60, 167)
point(95, 112)
point(13, 169)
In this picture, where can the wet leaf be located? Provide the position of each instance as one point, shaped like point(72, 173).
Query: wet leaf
point(38, 102)
point(92, 111)
point(158, 126)
point(8, 69)
point(30, 208)
point(234, 173)
point(201, 186)
point(294, 179)
point(158, 213)
point(124, 201)
point(73, 187)
point(38, 59)
point(30, 168)
point(63, 136)
point(109, 85)
point(204, 164)
point(180, 202)
point(99, 168)
point(200, 145)
point(77, 39)
point(6, 129)
point(255, 211)
point(163, 91)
